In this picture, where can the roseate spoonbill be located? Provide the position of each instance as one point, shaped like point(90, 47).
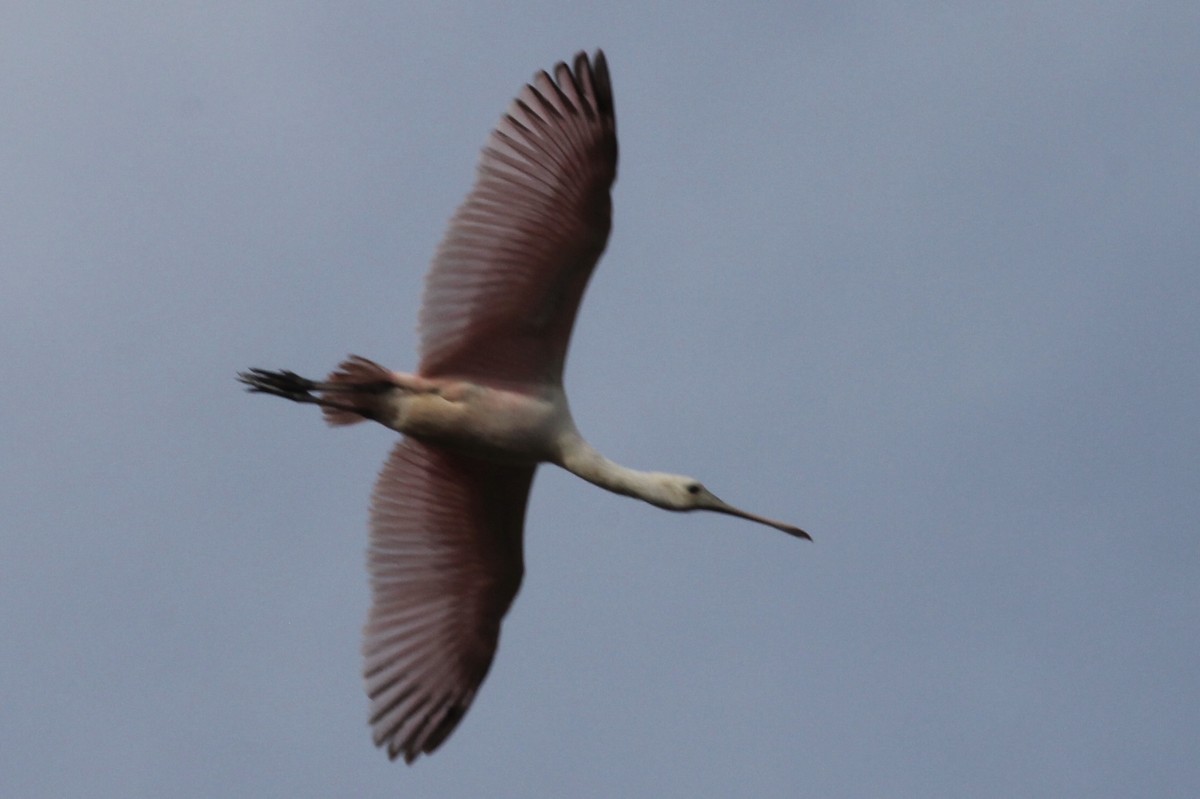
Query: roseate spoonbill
point(485, 407)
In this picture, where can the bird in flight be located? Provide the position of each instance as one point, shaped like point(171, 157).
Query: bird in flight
point(485, 407)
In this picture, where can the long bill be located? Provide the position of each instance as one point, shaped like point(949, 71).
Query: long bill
point(724, 507)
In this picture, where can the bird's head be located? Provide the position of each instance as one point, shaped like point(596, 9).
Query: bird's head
point(682, 493)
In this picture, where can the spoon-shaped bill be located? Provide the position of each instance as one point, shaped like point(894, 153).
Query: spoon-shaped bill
point(790, 529)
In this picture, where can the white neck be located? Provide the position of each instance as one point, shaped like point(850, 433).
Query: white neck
point(580, 458)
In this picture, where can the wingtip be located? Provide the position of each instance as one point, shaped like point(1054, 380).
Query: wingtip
point(595, 71)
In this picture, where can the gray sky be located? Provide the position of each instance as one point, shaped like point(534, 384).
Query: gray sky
point(923, 281)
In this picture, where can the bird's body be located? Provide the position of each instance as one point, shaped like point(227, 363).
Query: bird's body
point(508, 424)
point(485, 407)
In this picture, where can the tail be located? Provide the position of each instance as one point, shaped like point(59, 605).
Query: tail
point(352, 392)
point(359, 385)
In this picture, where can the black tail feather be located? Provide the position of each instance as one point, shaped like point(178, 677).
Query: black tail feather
point(350, 394)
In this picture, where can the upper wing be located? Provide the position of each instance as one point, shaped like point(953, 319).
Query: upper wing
point(445, 562)
point(501, 296)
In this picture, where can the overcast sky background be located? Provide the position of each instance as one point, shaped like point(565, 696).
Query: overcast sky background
point(920, 278)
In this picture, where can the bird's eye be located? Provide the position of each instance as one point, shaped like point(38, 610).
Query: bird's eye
point(693, 488)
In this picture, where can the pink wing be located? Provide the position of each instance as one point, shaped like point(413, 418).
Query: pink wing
point(445, 562)
point(501, 296)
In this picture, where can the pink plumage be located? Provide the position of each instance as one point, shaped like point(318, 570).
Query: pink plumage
point(501, 297)
point(485, 407)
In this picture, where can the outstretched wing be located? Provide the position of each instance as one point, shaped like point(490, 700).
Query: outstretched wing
point(445, 562)
point(501, 296)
